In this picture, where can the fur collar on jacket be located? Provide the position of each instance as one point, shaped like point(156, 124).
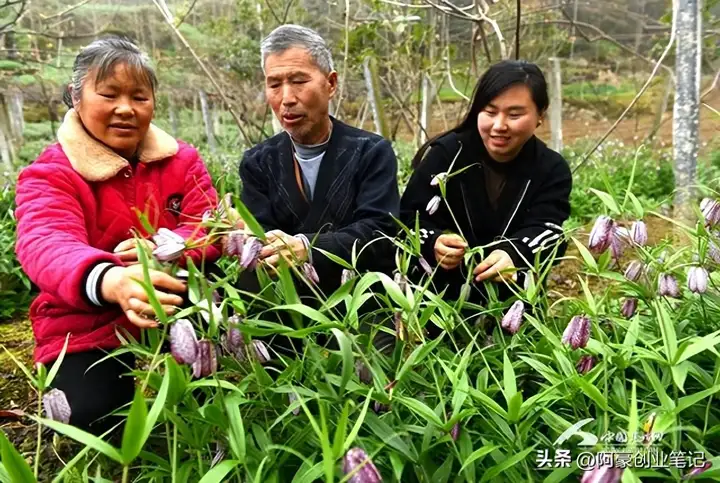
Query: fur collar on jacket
point(96, 162)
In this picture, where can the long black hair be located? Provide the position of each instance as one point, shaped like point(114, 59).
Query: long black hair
point(493, 82)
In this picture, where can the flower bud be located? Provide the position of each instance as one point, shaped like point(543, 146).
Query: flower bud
point(291, 399)
point(634, 270)
point(346, 276)
point(400, 331)
point(380, 408)
point(455, 431)
point(714, 252)
point(638, 233)
point(577, 332)
point(219, 454)
point(601, 234)
point(401, 281)
point(513, 317)
point(261, 352)
point(668, 286)
point(183, 342)
point(602, 474)
point(425, 266)
point(628, 307)
point(358, 463)
point(310, 273)
point(585, 364)
point(698, 470)
point(433, 205)
point(169, 252)
point(234, 343)
point(438, 178)
point(56, 406)
point(206, 362)
point(697, 279)
point(362, 372)
point(250, 253)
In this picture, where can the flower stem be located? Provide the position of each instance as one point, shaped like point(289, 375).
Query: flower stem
point(39, 436)
point(126, 474)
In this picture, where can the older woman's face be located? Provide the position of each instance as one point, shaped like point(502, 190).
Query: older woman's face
point(508, 121)
point(117, 110)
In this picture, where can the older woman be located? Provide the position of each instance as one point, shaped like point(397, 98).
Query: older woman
point(78, 211)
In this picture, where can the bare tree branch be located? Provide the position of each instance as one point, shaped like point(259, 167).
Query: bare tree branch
point(63, 36)
point(187, 14)
point(18, 14)
point(345, 57)
point(517, 30)
point(658, 64)
point(272, 12)
point(66, 11)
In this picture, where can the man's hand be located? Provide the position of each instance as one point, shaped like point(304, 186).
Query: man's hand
point(498, 266)
point(280, 244)
point(127, 250)
point(449, 251)
point(120, 286)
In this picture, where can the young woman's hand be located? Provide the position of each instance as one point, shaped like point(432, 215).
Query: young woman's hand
point(127, 250)
point(120, 286)
point(498, 266)
point(449, 251)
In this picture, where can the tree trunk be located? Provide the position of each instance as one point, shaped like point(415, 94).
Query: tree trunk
point(640, 25)
point(573, 34)
point(687, 104)
point(173, 116)
point(373, 91)
point(556, 139)
point(207, 120)
point(10, 45)
point(15, 111)
point(7, 151)
point(426, 85)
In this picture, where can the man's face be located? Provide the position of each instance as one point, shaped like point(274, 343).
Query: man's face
point(299, 94)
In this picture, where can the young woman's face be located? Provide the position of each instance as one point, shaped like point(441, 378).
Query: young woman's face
point(117, 110)
point(507, 122)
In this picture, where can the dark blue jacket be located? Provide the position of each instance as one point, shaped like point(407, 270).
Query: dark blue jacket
point(355, 198)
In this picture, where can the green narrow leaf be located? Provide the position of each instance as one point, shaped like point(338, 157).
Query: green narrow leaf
point(348, 364)
point(334, 258)
point(358, 424)
point(218, 473)
point(607, 200)
point(17, 468)
point(416, 357)
point(236, 430)
point(56, 365)
point(585, 254)
point(83, 437)
point(667, 329)
point(476, 455)
point(679, 374)
point(665, 400)
point(421, 409)
point(308, 312)
point(394, 292)
point(507, 463)
point(509, 384)
point(22, 367)
point(134, 431)
point(696, 346)
point(289, 292)
point(633, 421)
point(688, 401)
point(486, 401)
point(460, 393)
point(250, 221)
point(592, 305)
point(158, 405)
point(341, 430)
point(177, 381)
point(592, 392)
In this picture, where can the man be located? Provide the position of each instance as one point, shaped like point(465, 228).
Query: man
point(320, 185)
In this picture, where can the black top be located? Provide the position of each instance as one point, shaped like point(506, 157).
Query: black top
point(521, 203)
point(355, 198)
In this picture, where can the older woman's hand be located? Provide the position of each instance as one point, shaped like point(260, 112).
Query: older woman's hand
point(449, 250)
point(127, 250)
point(498, 266)
point(120, 286)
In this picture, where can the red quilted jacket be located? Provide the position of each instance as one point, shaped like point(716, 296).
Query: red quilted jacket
point(76, 202)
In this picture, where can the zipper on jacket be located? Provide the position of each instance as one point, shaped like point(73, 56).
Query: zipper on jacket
point(517, 207)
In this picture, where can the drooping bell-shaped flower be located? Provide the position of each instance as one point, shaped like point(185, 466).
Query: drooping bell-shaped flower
point(310, 273)
point(362, 372)
point(234, 343)
point(455, 431)
point(513, 317)
point(668, 286)
point(261, 351)
point(56, 406)
point(617, 244)
point(234, 243)
point(346, 276)
point(250, 253)
point(183, 342)
point(433, 205)
point(291, 399)
point(169, 252)
point(358, 463)
point(629, 307)
point(601, 234)
point(697, 279)
point(206, 362)
point(165, 236)
point(710, 209)
point(425, 266)
point(401, 281)
point(602, 474)
point(698, 470)
point(577, 332)
point(638, 233)
point(438, 178)
point(714, 252)
point(585, 364)
point(634, 270)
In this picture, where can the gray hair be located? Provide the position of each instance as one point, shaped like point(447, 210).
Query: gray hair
point(104, 55)
point(288, 36)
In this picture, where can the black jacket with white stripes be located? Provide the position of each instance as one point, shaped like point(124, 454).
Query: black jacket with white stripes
point(531, 207)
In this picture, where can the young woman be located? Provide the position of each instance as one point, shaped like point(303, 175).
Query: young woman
point(77, 210)
point(505, 189)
